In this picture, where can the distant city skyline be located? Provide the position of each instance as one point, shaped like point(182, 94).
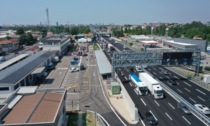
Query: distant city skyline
point(32, 12)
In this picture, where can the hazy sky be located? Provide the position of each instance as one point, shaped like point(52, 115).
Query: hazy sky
point(103, 11)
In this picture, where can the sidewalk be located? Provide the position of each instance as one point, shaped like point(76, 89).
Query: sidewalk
point(119, 104)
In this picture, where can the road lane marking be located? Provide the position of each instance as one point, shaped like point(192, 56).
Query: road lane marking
point(60, 73)
point(200, 91)
point(186, 120)
point(126, 78)
point(187, 84)
point(187, 89)
point(168, 116)
point(143, 102)
point(136, 91)
point(156, 103)
point(142, 122)
point(154, 73)
point(179, 91)
point(94, 74)
point(192, 100)
point(131, 84)
point(201, 98)
point(176, 77)
point(171, 106)
point(168, 77)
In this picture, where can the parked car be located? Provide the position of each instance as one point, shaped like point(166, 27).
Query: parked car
point(183, 107)
point(74, 69)
point(151, 118)
point(202, 108)
point(73, 62)
point(171, 82)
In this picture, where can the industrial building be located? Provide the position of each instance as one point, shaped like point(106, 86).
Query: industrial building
point(201, 44)
point(30, 106)
point(25, 72)
point(56, 42)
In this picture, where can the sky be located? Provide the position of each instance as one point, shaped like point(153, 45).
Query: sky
point(103, 11)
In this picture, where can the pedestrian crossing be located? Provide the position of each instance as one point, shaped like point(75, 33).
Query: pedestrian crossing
point(62, 68)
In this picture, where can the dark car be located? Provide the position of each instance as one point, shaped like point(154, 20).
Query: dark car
point(183, 107)
point(151, 118)
point(171, 82)
point(165, 72)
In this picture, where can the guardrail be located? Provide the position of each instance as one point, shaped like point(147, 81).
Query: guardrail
point(100, 119)
point(205, 119)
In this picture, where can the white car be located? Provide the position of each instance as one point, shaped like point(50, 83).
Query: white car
point(139, 69)
point(74, 69)
point(202, 108)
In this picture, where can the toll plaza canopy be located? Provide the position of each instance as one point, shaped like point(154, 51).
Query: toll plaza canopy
point(103, 63)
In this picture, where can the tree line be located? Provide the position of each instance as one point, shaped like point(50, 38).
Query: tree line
point(189, 30)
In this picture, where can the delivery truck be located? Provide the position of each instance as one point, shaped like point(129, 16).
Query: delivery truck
point(153, 85)
point(141, 87)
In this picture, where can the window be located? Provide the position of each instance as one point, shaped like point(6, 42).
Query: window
point(4, 88)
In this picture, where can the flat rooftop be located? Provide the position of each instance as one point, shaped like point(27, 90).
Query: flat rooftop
point(103, 63)
point(35, 108)
point(23, 71)
point(180, 43)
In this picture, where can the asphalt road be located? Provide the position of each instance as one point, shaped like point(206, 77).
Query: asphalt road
point(164, 109)
point(91, 94)
point(187, 89)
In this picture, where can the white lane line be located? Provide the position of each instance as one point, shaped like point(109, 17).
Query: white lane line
point(186, 120)
point(192, 100)
point(143, 102)
point(154, 73)
point(179, 91)
point(187, 84)
point(200, 91)
point(201, 98)
point(176, 77)
point(94, 74)
point(171, 106)
point(126, 78)
point(168, 77)
point(168, 116)
point(136, 91)
point(60, 73)
point(187, 89)
point(156, 103)
point(153, 114)
point(131, 84)
point(143, 123)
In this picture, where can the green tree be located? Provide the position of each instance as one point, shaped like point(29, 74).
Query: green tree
point(20, 31)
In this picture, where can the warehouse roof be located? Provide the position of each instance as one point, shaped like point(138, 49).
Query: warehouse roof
point(40, 107)
point(20, 64)
point(12, 61)
point(23, 71)
point(103, 63)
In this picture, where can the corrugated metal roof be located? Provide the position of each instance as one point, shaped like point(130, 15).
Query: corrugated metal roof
point(11, 61)
point(20, 64)
point(27, 69)
point(103, 63)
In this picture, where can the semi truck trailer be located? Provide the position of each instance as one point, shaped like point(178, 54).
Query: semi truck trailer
point(153, 85)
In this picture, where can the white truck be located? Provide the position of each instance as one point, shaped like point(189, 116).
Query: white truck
point(141, 87)
point(153, 85)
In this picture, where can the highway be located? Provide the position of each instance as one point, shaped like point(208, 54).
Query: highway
point(164, 109)
point(187, 89)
